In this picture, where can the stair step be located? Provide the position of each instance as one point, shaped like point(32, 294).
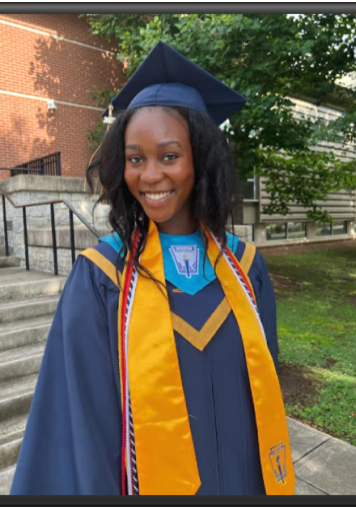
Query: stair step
point(31, 287)
point(16, 396)
point(27, 309)
point(11, 435)
point(12, 428)
point(26, 332)
point(20, 361)
point(28, 300)
point(18, 274)
point(9, 453)
point(9, 261)
point(3, 248)
point(6, 477)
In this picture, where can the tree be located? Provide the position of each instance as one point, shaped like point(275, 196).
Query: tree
point(267, 58)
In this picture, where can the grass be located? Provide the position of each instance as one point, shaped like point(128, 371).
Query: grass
point(316, 313)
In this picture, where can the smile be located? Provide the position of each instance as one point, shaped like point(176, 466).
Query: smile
point(157, 197)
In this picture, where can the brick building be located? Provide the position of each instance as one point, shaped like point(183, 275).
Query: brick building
point(54, 57)
point(51, 57)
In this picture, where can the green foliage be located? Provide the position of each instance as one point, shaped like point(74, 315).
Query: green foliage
point(268, 58)
point(317, 332)
point(102, 98)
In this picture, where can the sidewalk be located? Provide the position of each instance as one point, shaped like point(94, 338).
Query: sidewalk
point(323, 465)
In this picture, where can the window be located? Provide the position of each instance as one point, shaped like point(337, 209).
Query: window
point(339, 228)
point(296, 230)
point(290, 230)
point(276, 231)
point(250, 188)
point(323, 229)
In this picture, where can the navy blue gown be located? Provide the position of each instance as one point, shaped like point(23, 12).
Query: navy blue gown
point(72, 442)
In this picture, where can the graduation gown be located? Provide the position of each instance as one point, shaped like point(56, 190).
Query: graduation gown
point(72, 442)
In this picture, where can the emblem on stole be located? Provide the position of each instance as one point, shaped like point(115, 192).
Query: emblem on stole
point(186, 260)
point(277, 457)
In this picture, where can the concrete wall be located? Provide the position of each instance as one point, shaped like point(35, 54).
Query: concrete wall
point(24, 189)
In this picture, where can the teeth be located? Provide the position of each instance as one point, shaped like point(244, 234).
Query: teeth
point(157, 196)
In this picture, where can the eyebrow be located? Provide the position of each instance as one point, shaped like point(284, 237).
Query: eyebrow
point(162, 144)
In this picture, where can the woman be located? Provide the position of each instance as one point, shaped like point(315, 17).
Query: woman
point(159, 372)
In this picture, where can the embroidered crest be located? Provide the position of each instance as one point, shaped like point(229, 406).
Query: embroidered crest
point(277, 457)
point(186, 260)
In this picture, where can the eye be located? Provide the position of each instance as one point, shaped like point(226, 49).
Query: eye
point(170, 157)
point(135, 159)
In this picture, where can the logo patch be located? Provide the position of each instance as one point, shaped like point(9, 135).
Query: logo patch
point(186, 260)
point(277, 457)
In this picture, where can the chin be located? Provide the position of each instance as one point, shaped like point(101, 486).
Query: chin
point(158, 218)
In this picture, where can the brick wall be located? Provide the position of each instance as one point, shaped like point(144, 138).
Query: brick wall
point(64, 25)
point(38, 65)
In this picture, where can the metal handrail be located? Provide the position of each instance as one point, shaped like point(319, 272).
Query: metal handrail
point(47, 165)
point(72, 212)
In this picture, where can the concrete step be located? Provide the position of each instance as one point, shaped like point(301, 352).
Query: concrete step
point(83, 238)
point(20, 362)
point(16, 396)
point(28, 300)
point(12, 428)
point(18, 274)
point(27, 309)
point(2, 250)
point(2, 246)
point(27, 332)
point(6, 477)
point(9, 261)
point(9, 453)
point(11, 435)
point(30, 286)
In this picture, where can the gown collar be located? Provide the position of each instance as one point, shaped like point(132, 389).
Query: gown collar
point(183, 257)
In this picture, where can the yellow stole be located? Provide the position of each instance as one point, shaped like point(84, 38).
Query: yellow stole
point(165, 455)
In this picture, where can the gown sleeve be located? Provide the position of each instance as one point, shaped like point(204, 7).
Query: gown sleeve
point(72, 440)
point(266, 303)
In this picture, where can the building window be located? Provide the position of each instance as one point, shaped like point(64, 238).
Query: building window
point(250, 189)
point(335, 228)
point(339, 228)
point(323, 229)
point(283, 231)
point(296, 230)
point(276, 231)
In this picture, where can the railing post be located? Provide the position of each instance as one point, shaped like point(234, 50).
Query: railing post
point(25, 238)
point(7, 251)
point(54, 241)
point(59, 169)
point(72, 239)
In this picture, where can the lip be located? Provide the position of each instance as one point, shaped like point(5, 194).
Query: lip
point(156, 203)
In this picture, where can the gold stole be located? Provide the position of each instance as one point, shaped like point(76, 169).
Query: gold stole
point(165, 455)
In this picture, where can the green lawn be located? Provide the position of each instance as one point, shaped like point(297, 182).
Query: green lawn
point(316, 306)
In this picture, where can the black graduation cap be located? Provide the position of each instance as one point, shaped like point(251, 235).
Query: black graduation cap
point(167, 78)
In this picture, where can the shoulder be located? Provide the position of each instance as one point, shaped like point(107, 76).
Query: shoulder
point(251, 260)
point(104, 260)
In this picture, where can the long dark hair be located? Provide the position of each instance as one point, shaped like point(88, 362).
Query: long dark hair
point(211, 196)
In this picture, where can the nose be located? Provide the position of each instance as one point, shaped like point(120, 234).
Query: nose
point(152, 174)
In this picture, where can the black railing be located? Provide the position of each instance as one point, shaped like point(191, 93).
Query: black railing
point(49, 165)
point(72, 213)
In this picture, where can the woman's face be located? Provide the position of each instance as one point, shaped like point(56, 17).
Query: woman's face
point(159, 169)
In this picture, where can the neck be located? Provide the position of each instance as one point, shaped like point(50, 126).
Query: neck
point(177, 227)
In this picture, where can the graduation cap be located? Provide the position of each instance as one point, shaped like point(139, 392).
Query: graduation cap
point(167, 78)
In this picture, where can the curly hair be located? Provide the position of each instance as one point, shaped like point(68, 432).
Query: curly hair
point(213, 191)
